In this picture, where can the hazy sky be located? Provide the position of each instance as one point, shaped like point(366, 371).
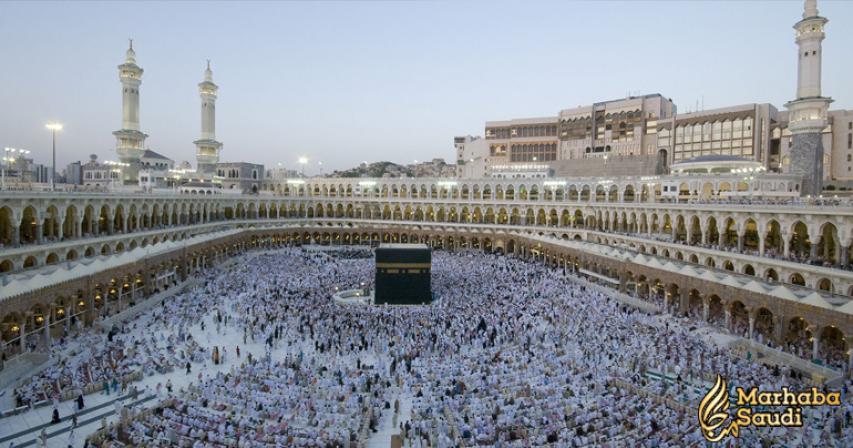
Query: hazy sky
point(342, 82)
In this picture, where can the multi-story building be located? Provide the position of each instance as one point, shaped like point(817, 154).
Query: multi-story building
point(74, 173)
point(645, 134)
point(100, 175)
point(472, 154)
point(40, 173)
point(155, 170)
point(18, 170)
point(595, 140)
point(742, 131)
point(241, 177)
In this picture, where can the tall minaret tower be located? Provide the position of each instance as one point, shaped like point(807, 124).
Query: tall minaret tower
point(808, 113)
point(207, 148)
point(130, 141)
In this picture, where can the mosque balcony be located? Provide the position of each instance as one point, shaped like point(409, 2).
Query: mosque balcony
point(805, 243)
point(637, 238)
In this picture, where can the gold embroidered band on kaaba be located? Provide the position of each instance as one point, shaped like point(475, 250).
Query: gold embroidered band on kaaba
point(403, 265)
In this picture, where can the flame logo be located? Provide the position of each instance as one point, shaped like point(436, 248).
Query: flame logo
point(714, 411)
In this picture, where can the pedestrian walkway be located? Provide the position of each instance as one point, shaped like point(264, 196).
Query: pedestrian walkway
point(389, 424)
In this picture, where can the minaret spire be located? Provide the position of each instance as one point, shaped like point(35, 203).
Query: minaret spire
point(807, 116)
point(207, 148)
point(130, 55)
point(130, 141)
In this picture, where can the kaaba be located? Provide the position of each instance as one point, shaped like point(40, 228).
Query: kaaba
point(403, 274)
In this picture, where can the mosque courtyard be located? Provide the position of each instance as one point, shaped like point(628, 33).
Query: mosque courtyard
point(512, 353)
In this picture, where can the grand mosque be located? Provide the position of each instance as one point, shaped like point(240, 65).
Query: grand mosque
point(724, 229)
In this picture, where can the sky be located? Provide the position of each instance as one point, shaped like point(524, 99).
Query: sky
point(345, 82)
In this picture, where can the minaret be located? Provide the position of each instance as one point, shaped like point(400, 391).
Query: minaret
point(207, 148)
point(130, 141)
point(807, 115)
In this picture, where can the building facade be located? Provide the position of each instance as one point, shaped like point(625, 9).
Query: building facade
point(98, 175)
point(74, 173)
point(240, 177)
point(646, 133)
point(624, 129)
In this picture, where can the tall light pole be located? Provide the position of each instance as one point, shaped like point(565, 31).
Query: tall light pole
point(303, 161)
point(53, 127)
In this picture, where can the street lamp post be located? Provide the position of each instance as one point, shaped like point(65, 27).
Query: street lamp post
point(53, 127)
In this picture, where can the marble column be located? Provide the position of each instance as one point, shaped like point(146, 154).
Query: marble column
point(47, 328)
point(815, 345)
point(751, 325)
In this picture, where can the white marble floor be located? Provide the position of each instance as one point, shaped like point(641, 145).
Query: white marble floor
point(229, 337)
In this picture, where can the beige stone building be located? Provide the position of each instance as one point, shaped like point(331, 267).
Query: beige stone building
point(643, 135)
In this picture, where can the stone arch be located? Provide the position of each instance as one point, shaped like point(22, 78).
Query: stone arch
point(828, 244)
point(8, 232)
point(765, 324)
point(797, 279)
point(52, 258)
point(824, 284)
point(799, 242)
point(771, 275)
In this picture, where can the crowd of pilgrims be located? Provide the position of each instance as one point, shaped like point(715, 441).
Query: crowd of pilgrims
point(513, 353)
point(105, 357)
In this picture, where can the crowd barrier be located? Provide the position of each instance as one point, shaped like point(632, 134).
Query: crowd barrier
point(70, 394)
point(819, 375)
point(616, 294)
